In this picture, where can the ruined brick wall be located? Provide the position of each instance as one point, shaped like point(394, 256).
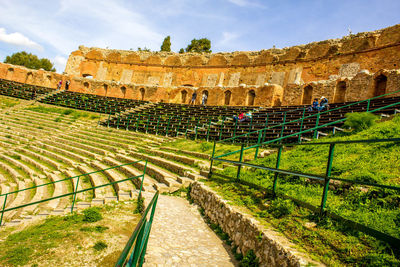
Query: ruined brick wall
point(274, 76)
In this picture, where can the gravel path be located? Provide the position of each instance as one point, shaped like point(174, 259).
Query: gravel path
point(180, 237)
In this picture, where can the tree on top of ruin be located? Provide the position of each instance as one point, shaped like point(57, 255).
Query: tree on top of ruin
point(30, 61)
point(199, 46)
point(166, 45)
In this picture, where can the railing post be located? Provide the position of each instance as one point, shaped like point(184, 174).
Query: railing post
point(129, 120)
point(258, 144)
point(251, 124)
point(283, 125)
point(222, 126)
point(316, 125)
point(148, 121)
point(158, 121)
point(327, 178)
point(301, 124)
point(234, 131)
point(266, 125)
point(141, 184)
point(119, 117)
point(4, 206)
point(108, 121)
point(179, 126)
point(212, 159)
point(169, 120)
point(208, 130)
point(368, 104)
point(278, 161)
point(240, 160)
point(137, 123)
point(76, 189)
point(195, 129)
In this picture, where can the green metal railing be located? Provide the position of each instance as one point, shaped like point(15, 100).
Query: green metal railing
point(298, 134)
point(139, 237)
point(325, 179)
point(75, 188)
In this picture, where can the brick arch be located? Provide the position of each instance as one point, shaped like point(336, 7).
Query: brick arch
point(95, 54)
point(173, 61)
point(264, 58)
point(241, 60)
point(194, 61)
point(131, 58)
point(217, 60)
point(114, 57)
point(153, 59)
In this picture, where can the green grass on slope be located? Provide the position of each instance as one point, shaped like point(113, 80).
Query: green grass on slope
point(74, 114)
point(370, 206)
point(7, 102)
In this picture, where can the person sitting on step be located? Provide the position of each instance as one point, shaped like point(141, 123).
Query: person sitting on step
point(314, 105)
point(323, 103)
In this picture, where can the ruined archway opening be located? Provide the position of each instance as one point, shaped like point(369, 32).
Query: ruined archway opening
point(105, 86)
point(380, 85)
point(123, 91)
point(307, 95)
point(340, 93)
point(142, 92)
point(251, 95)
point(86, 85)
point(29, 77)
point(10, 73)
point(183, 96)
point(204, 97)
point(88, 76)
point(227, 98)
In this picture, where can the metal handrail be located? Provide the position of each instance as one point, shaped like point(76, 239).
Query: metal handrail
point(323, 178)
point(140, 237)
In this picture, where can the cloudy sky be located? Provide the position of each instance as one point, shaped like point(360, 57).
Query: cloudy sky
point(54, 28)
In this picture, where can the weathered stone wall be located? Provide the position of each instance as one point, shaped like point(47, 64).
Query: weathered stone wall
point(275, 76)
point(271, 248)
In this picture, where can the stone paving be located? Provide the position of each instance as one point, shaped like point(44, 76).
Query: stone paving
point(180, 237)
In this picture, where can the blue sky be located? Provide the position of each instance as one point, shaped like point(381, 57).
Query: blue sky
point(55, 28)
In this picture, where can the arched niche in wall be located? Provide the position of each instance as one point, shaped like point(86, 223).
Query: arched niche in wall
point(29, 77)
point(86, 85)
point(142, 92)
point(105, 86)
point(307, 95)
point(204, 94)
point(251, 96)
point(340, 92)
point(10, 73)
point(380, 85)
point(183, 96)
point(123, 91)
point(87, 75)
point(227, 97)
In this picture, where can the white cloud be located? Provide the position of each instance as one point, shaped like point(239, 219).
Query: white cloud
point(59, 63)
point(17, 38)
point(227, 37)
point(246, 3)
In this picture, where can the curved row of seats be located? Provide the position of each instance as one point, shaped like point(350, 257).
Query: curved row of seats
point(22, 90)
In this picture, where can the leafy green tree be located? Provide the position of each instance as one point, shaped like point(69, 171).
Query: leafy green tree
point(30, 61)
point(166, 45)
point(181, 51)
point(200, 45)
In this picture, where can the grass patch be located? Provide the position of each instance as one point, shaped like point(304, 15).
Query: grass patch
point(100, 245)
point(73, 114)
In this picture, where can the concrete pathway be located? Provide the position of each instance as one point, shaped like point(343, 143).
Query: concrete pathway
point(180, 237)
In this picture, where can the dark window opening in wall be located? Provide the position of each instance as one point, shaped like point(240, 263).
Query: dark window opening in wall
point(188, 85)
point(89, 76)
point(123, 91)
point(204, 97)
point(86, 85)
point(105, 89)
point(340, 94)
point(142, 91)
point(29, 77)
point(227, 98)
point(307, 95)
point(251, 95)
point(10, 73)
point(183, 96)
point(380, 85)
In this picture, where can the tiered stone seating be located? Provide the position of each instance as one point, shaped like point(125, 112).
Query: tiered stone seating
point(216, 122)
point(88, 102)
point(22, 90)
point(173, 119)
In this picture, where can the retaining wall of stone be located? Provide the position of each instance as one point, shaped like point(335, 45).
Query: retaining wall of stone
point(270, 247)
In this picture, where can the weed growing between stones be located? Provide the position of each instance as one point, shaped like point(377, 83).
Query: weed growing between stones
point(100, 245)
point(140, 205)
point(92, 214)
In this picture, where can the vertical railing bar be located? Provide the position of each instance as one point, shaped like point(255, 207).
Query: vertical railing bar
point(278, 161)
point(76, 189)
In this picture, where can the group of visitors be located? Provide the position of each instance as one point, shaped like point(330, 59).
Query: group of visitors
point(315, 106)
point(243, 117)
point(203, 99)
point(59, 85)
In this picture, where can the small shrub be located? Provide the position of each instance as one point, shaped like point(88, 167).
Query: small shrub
point(205, 146)
point(17, 157)
point(97, 228)
point(92, 215)
point(281, 207)
point(100, 245)
point(140, 205)
point(67, 111)
point(360, 121)
point(57, 119)
point(250, 260)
